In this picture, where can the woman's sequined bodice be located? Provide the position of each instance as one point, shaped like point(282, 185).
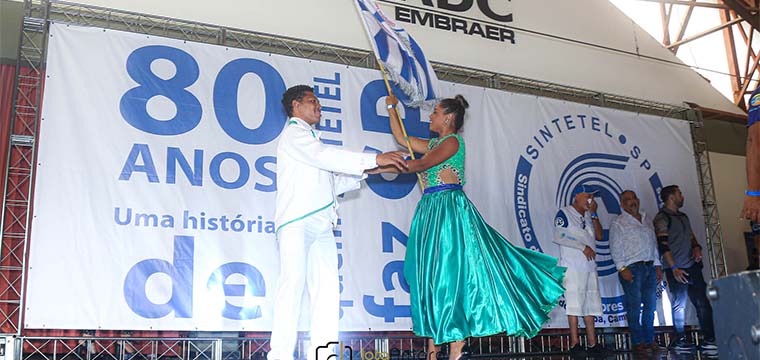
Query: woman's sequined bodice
point(432, 177)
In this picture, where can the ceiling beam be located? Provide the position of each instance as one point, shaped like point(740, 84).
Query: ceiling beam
point(706, 32)
point(749, 14)
point(733, 62)
point(684, 24)
point(665, 15)
point(745, 83)
point(688, 3)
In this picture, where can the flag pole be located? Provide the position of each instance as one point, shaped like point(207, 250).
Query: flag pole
point(401, 123)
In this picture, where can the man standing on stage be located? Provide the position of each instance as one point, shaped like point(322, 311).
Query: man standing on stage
point(682, 255)
point(575, 231)
point(634, 251)
point(751, 208)
point(310, 176)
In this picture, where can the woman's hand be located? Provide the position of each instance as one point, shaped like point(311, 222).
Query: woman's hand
point(391, 100)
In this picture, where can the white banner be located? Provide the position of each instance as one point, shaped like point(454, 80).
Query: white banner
point(155, 183)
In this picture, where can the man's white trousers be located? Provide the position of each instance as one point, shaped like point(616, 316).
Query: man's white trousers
point(308, 257)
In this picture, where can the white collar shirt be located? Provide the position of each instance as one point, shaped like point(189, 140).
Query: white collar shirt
point(311, 174)
point(632, 240)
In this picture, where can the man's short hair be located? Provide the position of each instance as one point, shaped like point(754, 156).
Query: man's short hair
point(294, 93)
point(667, 191)
point(625, 192)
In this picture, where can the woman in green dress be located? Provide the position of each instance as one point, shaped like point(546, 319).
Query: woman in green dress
point(465, 279)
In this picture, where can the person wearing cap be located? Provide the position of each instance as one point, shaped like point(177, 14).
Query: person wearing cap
point(310, 175)
point(633, 247)
point(576, 228)
point(682, 257)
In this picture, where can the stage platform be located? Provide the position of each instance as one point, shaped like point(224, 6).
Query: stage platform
point(550, 344)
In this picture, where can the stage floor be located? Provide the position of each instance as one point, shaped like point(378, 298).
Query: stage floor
point(660, 355)
point(620, 356)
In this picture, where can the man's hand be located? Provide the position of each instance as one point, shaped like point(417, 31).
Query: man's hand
point(681, 275)
point(697, 253)
point(593, 206)
point(751, 208)
point(627, 275)
point(590, 253)
point(381, 169)
point(393, 158)
point(658, 269)
point(391, 100)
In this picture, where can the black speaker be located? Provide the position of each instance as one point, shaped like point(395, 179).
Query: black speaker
point(736, 312)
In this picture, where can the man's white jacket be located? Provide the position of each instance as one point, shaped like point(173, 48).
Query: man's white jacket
point(310, 174)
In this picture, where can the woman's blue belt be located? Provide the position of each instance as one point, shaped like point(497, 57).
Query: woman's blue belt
point(442, 187)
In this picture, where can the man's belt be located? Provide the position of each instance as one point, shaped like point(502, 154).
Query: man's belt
point(647, 263)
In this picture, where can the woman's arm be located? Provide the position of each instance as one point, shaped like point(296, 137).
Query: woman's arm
point(441, 153)
point(418, 145)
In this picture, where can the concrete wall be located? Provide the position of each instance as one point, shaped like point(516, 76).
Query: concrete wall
point(11, 14)
point(730, 182)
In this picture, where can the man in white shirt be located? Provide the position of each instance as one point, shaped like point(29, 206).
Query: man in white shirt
point(575, 231)
point(310, 176)
point(633, 245)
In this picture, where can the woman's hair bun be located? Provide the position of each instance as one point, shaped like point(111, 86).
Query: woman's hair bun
point(461, 100)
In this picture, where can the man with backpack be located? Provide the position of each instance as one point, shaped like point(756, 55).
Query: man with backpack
point(682, 259)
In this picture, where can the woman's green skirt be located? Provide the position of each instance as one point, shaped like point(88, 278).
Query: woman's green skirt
point(466, 279)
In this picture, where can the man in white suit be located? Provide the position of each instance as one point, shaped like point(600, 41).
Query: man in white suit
point(310, 176)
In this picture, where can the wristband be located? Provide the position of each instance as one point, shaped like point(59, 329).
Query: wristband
point(594, 216)
point(673, 267)
point(624, 268)
point(752, 193)
point(391, 106)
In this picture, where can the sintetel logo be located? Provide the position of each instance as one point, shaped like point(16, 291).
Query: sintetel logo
point(573, 150)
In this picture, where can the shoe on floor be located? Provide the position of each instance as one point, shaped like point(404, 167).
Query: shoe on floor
point(577, 351)
point(708, 345)
point(708, 348)
point(597, 350)
point(682, 345)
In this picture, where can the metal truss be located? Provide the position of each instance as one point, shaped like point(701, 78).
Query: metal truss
point(713, 230)
point(19, 174)
point(126, 348)
point(739, 22)
point(354, 347)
